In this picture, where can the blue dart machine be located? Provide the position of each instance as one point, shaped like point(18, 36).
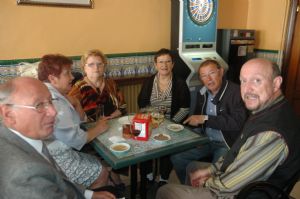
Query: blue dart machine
point(197, 38)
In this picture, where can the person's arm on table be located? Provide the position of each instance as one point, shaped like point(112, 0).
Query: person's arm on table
point(100, 127)
point(196, 120)
point(115, 114)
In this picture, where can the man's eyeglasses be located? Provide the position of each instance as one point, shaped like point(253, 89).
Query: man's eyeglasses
point(210, 74)
point(40, 107)
point(99, 64)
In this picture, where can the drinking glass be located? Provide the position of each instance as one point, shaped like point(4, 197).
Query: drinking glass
point(147, 109)
point(162, 109)
point(135, 132)
point(100, 112)
point(126, 131)
point(157, 119)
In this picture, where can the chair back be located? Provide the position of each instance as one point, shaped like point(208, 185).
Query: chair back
point(289, 187)
point(266, 190)
point(262, 190)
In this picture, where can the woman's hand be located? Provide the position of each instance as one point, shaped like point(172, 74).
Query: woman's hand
point(115, 114)
point(199, 177)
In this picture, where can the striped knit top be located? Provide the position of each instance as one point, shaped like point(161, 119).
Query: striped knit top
point(256, 160)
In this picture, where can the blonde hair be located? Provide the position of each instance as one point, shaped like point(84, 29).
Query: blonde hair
point(94, 52)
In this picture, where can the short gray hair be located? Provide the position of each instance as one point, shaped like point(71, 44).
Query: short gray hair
point(275, 70)
point(210, 62)
point(6, 90)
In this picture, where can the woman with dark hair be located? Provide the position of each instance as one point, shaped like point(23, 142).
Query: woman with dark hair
point(164, 89)
point(95, 89)
point(55, 71)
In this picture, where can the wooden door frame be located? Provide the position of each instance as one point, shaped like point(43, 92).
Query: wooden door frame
point(290, 28)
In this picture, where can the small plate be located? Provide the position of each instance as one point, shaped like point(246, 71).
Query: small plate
point(175, 127)
point(126, 119)
point(161, 137)
point(119, 148)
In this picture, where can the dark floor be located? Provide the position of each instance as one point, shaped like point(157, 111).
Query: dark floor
point(151, 191)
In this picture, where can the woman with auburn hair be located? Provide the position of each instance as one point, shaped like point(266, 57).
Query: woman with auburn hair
point(95, 89)
point(55, 71)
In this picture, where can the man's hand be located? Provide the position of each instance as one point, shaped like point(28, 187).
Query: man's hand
point(195, 120)
point(199, 177)
point(103, 195)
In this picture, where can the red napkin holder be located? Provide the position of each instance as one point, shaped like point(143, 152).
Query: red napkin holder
point(142, 122)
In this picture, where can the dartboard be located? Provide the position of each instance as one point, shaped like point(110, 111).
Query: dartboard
point(201, 11)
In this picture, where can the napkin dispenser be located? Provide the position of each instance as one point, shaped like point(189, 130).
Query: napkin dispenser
point(142, 124)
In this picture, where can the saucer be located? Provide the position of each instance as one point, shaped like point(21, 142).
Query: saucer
point(175, 127)
point(161, 137)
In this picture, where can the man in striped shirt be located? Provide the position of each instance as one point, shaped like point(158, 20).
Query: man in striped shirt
point(266, 149)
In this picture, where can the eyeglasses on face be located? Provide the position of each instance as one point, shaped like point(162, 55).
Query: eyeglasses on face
point(98, 64)
point(165, 62)
point(40, 107)
point(213, 73)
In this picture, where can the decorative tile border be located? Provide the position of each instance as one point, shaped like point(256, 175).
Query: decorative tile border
point(8, 72)
point(119, 65)
point(272, 55)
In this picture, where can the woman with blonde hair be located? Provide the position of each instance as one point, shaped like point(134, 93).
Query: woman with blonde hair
point(95, 89)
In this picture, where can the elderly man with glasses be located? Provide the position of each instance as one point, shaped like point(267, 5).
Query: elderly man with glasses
point(27, 169)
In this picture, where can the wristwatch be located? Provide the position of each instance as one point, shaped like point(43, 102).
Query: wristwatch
point(201, 11)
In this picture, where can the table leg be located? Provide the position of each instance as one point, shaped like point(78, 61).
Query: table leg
point(143, 189)
point(133, 181)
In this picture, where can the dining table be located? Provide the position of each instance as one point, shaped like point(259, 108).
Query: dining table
point(179, 139)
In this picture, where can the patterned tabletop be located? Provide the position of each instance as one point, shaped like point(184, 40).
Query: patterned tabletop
point(144, 150)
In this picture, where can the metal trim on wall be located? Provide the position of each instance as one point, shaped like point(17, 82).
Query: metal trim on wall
point(288, 39)
point(74, 3)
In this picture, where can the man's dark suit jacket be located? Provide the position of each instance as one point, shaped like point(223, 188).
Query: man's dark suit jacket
point(26, 174)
